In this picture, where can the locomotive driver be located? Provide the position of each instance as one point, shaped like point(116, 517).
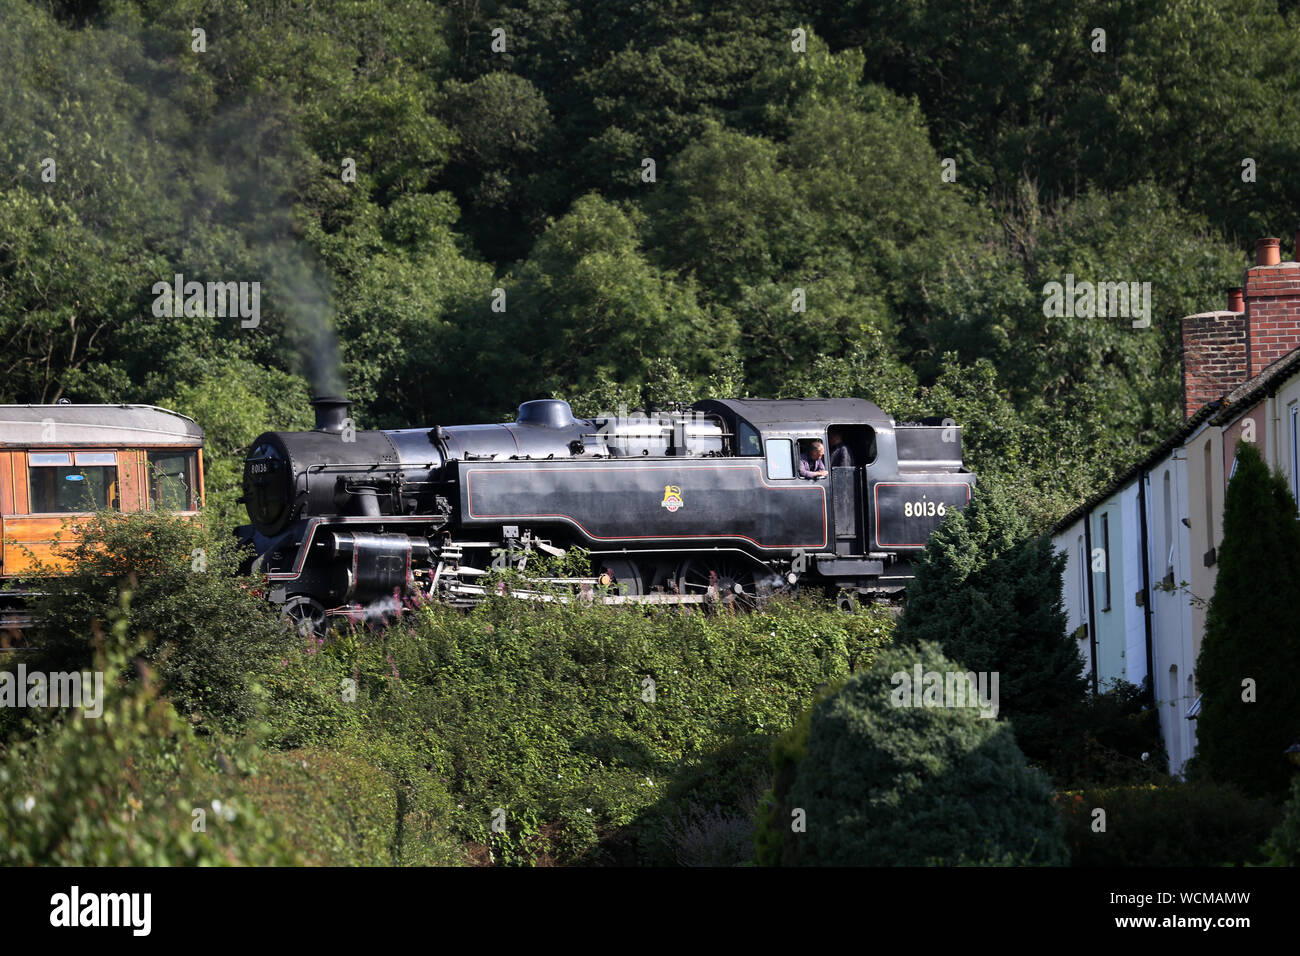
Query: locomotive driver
point(813, 464)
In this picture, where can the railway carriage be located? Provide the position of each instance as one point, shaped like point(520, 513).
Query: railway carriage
point(692, 505)
point(59, 463)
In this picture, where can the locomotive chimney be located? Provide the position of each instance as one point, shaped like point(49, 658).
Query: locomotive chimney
point(331, 413)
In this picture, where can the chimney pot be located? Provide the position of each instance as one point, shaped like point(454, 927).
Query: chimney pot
point(1268, 252)
point(1236, 300)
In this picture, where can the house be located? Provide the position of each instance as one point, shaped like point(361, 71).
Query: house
point(1141, 554)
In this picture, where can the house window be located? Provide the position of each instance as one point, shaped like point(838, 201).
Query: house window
point(780, 458)
point(1209, 497)
point(1295, 453)
point(1169, 527)
point(1083, 581)
point(173, 480)
point(1105, 573)
point(69, 482)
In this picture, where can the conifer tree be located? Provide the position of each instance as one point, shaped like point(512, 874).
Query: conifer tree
point(1248, 671)
point(990, 596)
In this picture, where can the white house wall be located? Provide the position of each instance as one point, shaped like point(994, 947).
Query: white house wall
point(1173, 647)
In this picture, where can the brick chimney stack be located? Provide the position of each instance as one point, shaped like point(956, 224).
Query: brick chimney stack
point(1272, 307)
point(1261, 325)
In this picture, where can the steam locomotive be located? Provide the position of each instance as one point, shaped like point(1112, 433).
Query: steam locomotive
point(692, 505)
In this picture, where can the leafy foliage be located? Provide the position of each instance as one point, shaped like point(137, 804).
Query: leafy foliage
point(1283, 845)
point(205, 632)
point(878, 784)
point(601, 732)
point(1170, 824)
point(991, 598)
point(122, 787)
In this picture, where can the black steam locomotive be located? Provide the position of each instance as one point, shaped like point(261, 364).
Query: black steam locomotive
point(693, 505)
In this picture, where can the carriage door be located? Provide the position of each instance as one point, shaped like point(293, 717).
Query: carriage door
point(849, 501)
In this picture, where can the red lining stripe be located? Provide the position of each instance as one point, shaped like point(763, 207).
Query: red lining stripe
point(469, 472)
point(910, 484)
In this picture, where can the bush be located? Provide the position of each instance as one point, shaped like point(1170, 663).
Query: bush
point(1174, 824)
point(205, 631)
point(1283, 846)
point(711, 838)
point(125, 788)
point(336, 808)
point(1116, 727)
point(991, 599)
point(886, 785)
point(547, 713)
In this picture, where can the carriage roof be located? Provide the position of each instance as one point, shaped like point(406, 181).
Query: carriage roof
point(118, 425)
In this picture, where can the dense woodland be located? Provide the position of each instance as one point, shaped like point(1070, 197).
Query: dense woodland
point(776, 169)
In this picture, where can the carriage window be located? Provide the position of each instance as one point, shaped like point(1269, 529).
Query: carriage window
point(780, 458)
point(747, 439)
point(173, 480)
point(59, 484)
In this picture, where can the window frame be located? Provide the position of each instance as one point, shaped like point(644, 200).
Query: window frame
point(789, 458)
point(72, 459)
point(1084, 567)
point(191, 485)
point(1105, 549)
point(744, 430)
point(1295, 455)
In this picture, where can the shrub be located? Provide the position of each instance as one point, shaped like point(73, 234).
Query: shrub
point(205, 631)
point(1283, 846)
point(991, 598)
point(1172, 824)
point(711, 838)
point(123, 788)
point(546, 713)
point(337, 808)
point(1116, 727)
point(880, 784)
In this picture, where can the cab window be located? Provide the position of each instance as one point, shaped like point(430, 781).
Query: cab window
point(173, 480)
point(747, 443)
point(780, 458)
point(65, 482)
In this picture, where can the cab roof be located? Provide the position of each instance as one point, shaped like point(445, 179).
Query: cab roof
point(126, 426)
point(799, 411)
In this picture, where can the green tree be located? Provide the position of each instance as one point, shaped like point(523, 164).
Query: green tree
point(588, 304)
point(990, 596)
point(1250, 636)
point(878, 781)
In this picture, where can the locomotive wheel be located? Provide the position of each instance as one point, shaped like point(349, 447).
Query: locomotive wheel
point(733, 581)
point(626, 575)
point(304, 614)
